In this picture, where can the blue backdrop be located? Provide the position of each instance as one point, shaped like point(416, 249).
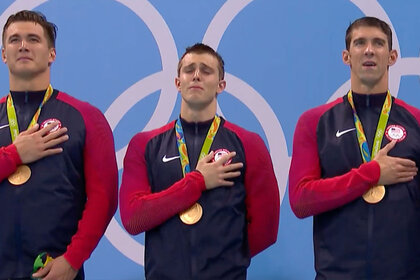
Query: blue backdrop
point(282, 57)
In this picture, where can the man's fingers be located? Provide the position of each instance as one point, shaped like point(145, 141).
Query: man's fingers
point(233, 166)
point(47, 129)
point(225, 158)
point(208, 158)
point(55, 134)
point(230, 175)
point(30, 130)
point(56, 141)
point(51, 152)
point(405, 162)
point(226, 183)
point(403, 179)
point(388, 147)
point(41, 273)
point(407, 175)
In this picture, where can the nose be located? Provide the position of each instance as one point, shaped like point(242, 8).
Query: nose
point(196, 76)
point(22, 45)
point(369, 49)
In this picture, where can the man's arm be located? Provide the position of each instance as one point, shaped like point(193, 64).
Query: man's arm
point(9, 161)
point(310, 194)
point(101, 184)
point(262, 196)
point(33, 144)
point(29, 146)
point(142, 210)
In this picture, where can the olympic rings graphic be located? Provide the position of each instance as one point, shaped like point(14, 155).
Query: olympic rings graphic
point(163, 81)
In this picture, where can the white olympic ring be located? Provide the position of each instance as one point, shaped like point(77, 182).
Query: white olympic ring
point(250, 97)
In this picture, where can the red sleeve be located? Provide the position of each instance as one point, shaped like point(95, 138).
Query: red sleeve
point(9, 157)
point(309, 194)
point(101, 183)
point(262, 193)
point(9, 161)
point(413, 110)
point(142, 210)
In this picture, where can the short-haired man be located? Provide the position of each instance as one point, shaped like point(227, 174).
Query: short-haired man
point(202, 188)
point(354, 168)
point(58, 175)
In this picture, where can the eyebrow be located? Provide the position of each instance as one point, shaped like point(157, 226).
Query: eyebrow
point(365, 39)
point(14, 35)
point(199, 65)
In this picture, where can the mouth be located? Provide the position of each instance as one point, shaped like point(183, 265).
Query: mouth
point(195, 87)
point(24, 58)
point(369, 64)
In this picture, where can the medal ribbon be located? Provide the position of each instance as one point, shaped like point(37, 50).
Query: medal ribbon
point(182, 146)
point(380, 129)
point(11, 113)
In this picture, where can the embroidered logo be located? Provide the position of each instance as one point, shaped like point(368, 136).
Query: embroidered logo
point(395, 132)
point(340, 133)
point(49, 121)
point(167, 159)
point(219, 153)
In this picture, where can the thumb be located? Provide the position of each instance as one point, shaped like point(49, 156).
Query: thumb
point(388, 147)
point(42, 272)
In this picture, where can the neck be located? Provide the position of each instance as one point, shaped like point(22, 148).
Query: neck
point(25, 84)
point(191, 115)
point(361, 87)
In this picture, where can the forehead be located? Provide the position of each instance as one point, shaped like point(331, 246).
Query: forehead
point(368, 32)
point(23, 28)
point(203, 58)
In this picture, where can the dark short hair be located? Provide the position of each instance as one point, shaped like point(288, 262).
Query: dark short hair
point(370, 22)
point(200, 48)
point(50, 29)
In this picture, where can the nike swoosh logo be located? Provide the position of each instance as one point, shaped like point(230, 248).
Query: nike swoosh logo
point(166, 159)
point(3, 126)
point(340, 133)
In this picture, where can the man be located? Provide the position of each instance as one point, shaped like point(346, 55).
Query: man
point(58, 175)
point(207, 223)
point(365, 199)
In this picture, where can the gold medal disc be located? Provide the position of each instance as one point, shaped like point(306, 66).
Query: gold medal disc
point(374, 194)
point(21, 175)
point(192, 215)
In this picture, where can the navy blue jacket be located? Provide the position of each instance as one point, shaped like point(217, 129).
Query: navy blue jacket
point(237, 222)
point(352, 238)
point(50, 212)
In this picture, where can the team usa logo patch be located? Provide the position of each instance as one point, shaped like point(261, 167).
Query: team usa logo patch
point(219, 153)
point(49, 121)
point(395, 132)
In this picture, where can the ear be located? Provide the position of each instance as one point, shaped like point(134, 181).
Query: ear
point(52, 56)
point(3, 55)
point(393, 55)
point(178, 84)
point(346, 57)
point(221, 87)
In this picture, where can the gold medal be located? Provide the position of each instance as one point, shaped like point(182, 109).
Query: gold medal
point(192, 215)
point(374, 194)
point(20, 176)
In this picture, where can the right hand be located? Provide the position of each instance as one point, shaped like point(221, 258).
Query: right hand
point(216, 174)
point(57, 269)
point(394, 169)
point(33, 144)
